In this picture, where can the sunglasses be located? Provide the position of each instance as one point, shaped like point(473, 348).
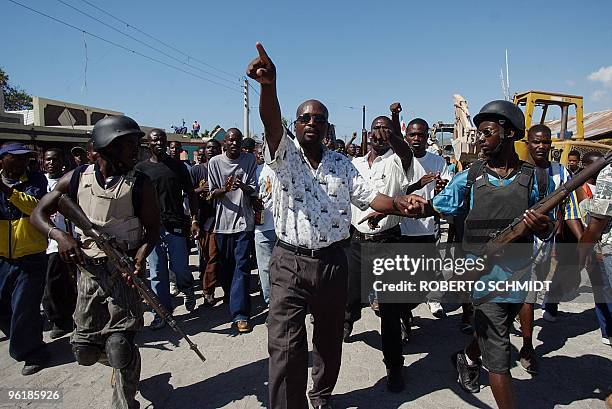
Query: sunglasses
point(305, 118)
point(486, 132)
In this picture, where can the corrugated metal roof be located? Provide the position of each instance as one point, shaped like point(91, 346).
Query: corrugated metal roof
point(595, 124)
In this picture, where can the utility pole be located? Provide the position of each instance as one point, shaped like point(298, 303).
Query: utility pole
point(245, 119)
point(364, 134)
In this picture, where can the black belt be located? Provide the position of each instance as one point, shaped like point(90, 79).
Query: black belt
point(391, 233)
point(95, 261)
point(303, 251)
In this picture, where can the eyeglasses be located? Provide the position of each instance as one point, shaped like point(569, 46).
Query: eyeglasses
point(485, 132)
point(305, 118)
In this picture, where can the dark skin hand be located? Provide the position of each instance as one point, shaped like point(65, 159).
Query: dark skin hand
point(397, 142)
point(592, 234)
point(69, 249)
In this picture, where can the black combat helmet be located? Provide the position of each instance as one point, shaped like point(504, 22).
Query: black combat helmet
point(501, 109)
point(110, 128)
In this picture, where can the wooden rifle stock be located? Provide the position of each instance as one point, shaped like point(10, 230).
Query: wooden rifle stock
point(518, 228)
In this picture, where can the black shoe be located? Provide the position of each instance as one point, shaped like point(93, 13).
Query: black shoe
point(528, 360)
point(31, 367)
point(348, 328)
point(325, 406)
point(395, 379)
point(468, 374)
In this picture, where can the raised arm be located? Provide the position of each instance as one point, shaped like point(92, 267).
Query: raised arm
point(262, 70)
point(399, 145)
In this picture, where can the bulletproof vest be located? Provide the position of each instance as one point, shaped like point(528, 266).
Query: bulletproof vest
point(111, 209)
point(494, 208)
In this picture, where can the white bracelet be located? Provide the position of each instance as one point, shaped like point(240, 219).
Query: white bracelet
point(49, 232)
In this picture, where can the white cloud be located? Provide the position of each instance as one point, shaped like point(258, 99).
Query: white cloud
point(599, 95)
point(603, 75)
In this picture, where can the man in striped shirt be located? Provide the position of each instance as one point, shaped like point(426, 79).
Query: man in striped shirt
point(539, 143)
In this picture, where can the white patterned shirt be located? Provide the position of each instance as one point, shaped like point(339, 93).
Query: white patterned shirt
point(386, 176)
point(601, 205)
point(312, 207)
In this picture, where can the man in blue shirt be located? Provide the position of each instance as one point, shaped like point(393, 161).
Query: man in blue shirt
point(499, 189)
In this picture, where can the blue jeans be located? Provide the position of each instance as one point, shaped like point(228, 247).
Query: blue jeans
point(173, 248)
point(603, 310)
point(234, 250)
point(22, 283)
point(264, 243)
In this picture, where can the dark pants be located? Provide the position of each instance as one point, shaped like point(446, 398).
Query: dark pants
point(353, 254)
point(298, 283)
point(59, 298)
point(209, 262)
point(234, 251)
point(22, 282)
point(391, 315)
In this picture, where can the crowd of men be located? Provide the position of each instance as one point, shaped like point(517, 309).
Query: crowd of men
point(288, 209)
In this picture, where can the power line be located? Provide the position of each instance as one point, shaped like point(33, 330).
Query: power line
point(253, 88)
point(157, 39)
point(142, 42)
point(124, 48)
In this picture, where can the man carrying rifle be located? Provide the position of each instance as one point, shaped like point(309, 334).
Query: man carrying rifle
point(493, 193)
point(123, 204)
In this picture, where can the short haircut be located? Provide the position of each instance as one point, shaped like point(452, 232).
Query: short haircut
point(233, 130)
point(214, 142)
point(157, 131)
point(592, 156)
point(574, 153)
point(539, 128)
point(60, 152)
point(180, 145)
point(299, 109)
point(418, 121)
point(382, 118)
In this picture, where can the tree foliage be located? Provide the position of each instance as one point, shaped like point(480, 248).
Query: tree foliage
point(15, 98)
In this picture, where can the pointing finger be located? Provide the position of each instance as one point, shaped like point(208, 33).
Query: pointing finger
point(261, 50)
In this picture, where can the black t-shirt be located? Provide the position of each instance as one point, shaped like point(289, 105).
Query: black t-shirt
point(199, 174)
point(136, 193)
point(170, 178)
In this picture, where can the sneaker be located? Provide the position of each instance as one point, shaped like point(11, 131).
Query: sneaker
point(157, 323)
point(348, 328)
point(436, 309)
point(174, 291)
point(528, 361)
point(190, 299)
point(468, 374)
point(209, 300)
point(243, 326)
point(549, 316)
point(395, 379)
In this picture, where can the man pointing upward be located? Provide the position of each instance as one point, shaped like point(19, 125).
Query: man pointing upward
point(312, 193)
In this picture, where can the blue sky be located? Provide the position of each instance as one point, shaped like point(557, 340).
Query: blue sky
point(346, 54)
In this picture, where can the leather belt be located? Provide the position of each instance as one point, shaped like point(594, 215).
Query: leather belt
point(391, 233)
point(96, 261)
point(303, 251)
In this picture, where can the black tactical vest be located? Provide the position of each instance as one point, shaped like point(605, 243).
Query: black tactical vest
point(496, 207)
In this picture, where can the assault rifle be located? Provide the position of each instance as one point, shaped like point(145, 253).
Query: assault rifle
point(122, 263)
point(518, 228)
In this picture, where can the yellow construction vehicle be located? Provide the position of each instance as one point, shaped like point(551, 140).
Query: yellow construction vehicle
point(565, 141)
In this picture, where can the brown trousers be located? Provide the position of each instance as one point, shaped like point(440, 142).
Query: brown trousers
point(209, 261)
point(299, 283)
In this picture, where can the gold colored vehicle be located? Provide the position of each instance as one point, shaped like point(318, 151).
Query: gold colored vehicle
point(564, 142)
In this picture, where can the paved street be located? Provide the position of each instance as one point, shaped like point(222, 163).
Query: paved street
point(575, 366)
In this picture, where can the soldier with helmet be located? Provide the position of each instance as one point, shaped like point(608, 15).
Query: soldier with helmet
point(493, 192)
point(111, 193)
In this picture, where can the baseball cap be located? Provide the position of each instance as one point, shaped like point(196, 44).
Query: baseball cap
point(15, 149)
